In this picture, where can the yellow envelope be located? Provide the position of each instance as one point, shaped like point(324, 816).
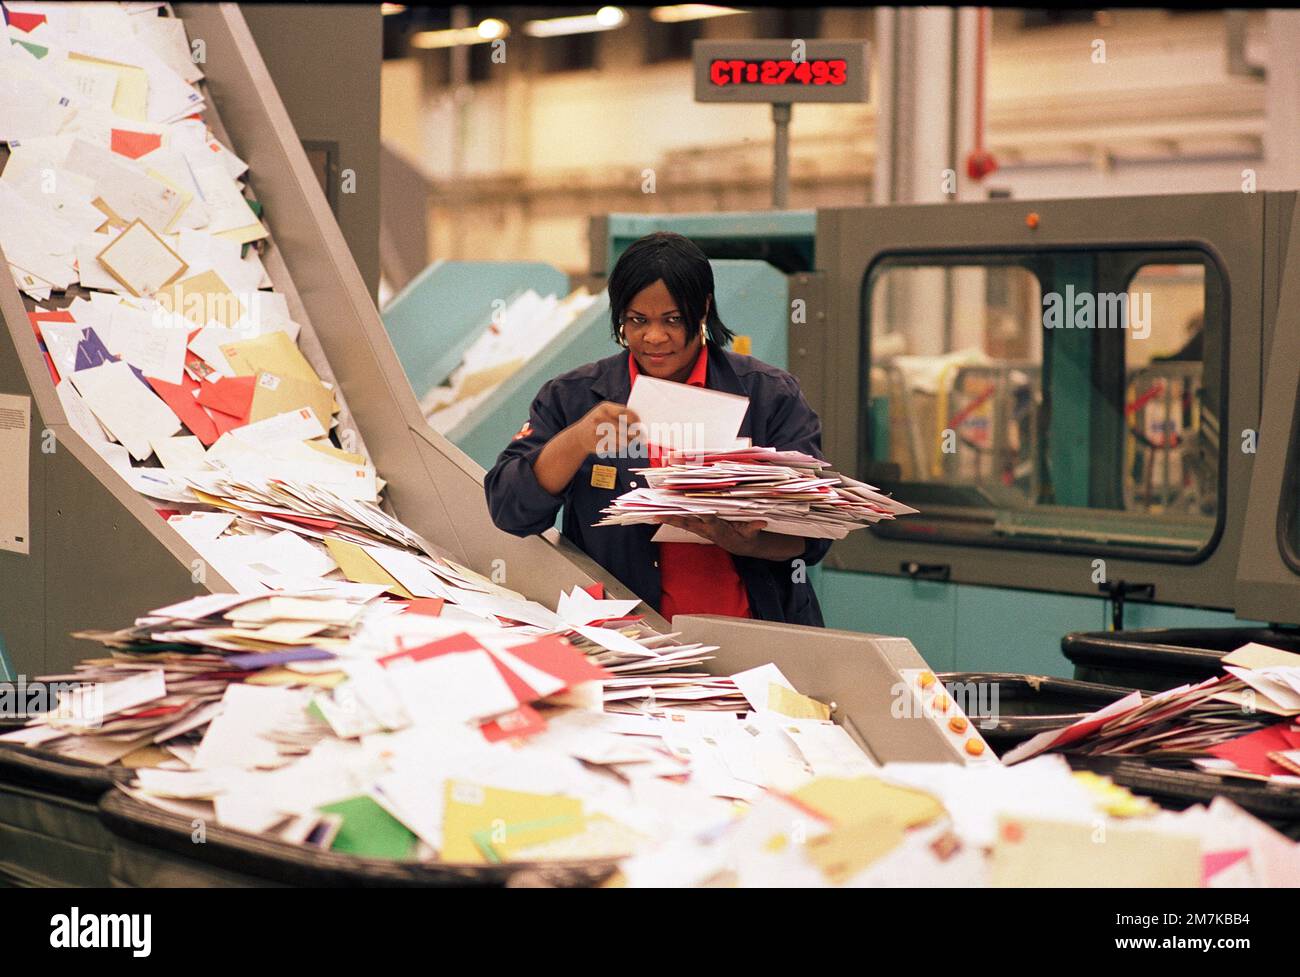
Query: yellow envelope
point(848, 800)
point(844, 852)
point(500, 845)
point(790, 703)
point(216, 500)
point(275, 394)
point(598, 836)
point(274, 353)
point(246, 234)
point(325, 448)
point(481, 380)
point(287, 676)
point(358, 566)
point(203, 298)
point(131, 98)
point(146, 756)
point(1032, 853)
point(469, 807)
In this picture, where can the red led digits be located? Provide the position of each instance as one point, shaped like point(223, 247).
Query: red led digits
point(833, 72)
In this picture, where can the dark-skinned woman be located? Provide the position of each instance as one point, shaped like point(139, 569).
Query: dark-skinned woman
point(664, 313)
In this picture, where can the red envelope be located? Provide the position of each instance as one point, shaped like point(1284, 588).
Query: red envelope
point(430, 606)
point(180, 398)
point(133, 145)
point(322, 524)
point(524, 721)
point(222, 421)
point(559, 658)
point(230, 395)
point(37, 317)
point(443, 646)
point(25, 22)
point(521, 690)
point(596, 590)
point(1250, 752)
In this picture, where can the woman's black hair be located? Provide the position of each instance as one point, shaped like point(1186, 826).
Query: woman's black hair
point(682, 267)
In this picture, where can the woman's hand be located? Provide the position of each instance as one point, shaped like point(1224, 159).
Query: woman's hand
point(740, 538)
point(606, 430)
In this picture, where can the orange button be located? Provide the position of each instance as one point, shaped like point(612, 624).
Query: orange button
point(941, 703)
point(957, 724)
point(974, 747)
point(926, 679)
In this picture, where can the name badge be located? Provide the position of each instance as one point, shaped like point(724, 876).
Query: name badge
point(603, 476)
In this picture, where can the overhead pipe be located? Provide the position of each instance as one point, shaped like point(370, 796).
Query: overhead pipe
point(980, 163)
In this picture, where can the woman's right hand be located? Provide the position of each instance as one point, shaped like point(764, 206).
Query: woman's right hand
point(604, 430)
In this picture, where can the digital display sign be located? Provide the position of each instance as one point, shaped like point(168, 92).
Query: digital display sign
point(780, 71)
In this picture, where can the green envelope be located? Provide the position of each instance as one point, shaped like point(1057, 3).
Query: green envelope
point(369, 831)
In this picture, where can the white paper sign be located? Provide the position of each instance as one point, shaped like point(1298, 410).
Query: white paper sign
point(15, 434)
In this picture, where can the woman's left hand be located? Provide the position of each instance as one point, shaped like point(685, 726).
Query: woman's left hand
point(740, 538)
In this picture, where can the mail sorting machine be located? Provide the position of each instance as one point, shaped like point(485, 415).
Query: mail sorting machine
point(1070, 392)
point(98, 554)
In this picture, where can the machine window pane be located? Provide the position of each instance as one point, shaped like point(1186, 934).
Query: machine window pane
point(1047, 399)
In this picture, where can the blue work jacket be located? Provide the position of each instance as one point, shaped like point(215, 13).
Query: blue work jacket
point(778, 417)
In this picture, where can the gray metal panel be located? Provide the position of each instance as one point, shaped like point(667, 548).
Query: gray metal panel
point(99, 551)
point(1230, 224)
point(1267, 588)
point(806, 340)
point(857, 673)
point(326, 67)
point(1278, 211)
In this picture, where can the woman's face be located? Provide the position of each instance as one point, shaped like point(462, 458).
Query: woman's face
point(665, 345)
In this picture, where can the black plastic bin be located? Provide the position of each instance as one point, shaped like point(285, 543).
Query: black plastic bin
point(50, 829)
point(1026, 704)
point(1176, 784)
point(1162, 658)
point(156, 849)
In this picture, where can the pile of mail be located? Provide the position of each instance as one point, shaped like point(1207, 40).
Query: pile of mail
point(790, 492)
point(427, 732)
point(913, 824)
point(127, 219)
point(517, 332)
point(407, 729)
point(1238, 724)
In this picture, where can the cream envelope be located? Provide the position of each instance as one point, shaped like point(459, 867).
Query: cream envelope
point(140, 260)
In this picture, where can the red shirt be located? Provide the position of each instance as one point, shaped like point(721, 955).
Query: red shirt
point(696, 578)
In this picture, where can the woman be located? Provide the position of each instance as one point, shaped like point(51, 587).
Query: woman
point(663, 311)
